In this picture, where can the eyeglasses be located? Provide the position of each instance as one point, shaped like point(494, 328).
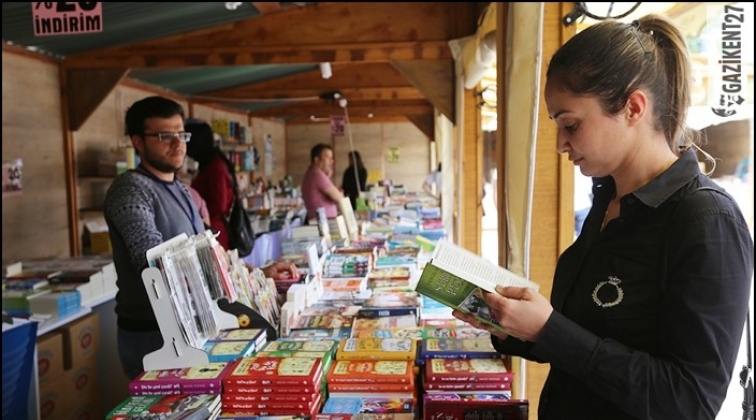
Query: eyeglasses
point(167, 136)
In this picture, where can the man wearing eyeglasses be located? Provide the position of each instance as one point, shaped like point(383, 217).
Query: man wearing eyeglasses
point(144, 208)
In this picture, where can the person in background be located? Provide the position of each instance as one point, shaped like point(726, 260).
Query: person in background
point(143, 208)
point(215, 178)
point(434, 179)
point(649, 303)
point(185, 175)
point(349, 181)
point(317, 188)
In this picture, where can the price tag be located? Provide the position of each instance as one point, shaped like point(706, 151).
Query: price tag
point(66, 17)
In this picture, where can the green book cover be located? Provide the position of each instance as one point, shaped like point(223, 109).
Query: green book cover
point(455, 292)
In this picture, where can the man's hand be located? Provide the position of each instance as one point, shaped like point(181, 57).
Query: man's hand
point(281, 270)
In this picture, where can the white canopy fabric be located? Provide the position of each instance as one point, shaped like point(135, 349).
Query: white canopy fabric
point(521, 100)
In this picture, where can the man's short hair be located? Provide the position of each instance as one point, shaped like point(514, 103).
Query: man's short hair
point(150, 107)
point(317, 150)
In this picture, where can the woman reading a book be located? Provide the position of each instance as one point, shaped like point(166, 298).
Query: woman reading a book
point(648, 305)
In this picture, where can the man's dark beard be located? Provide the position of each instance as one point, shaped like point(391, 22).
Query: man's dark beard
point(161, 166)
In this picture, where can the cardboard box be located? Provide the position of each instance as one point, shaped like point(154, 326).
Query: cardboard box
point(53, 399)
point(100, 243)
point(81, 383)
point(81, 339)
point(50, 357)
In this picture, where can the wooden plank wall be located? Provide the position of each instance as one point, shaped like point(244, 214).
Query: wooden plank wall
point(35, 224)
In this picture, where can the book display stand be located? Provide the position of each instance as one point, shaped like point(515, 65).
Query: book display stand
point(176, 352)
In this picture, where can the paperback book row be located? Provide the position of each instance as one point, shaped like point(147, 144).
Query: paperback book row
point(349, 376)
point(55, 287)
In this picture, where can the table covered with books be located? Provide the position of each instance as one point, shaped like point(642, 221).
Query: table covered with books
point(353, 339)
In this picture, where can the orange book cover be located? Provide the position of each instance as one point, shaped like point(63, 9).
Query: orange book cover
point(286, 371)
point(376, 349)
point(375, 371)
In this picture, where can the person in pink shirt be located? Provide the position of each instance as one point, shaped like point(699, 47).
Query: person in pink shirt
point(317, 188)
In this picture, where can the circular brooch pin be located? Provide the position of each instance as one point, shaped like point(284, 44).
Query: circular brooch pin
point(602, 301)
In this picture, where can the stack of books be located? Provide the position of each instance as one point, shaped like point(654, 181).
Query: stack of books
point(273, 386)
point(473, 376)
point(473, 406)
point(194, 406)
point(230, 345)
point(371, 386)
point(323, 349)
point(391, 303)
point(205, 379)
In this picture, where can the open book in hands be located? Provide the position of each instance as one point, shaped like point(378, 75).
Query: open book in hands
point(457, 278)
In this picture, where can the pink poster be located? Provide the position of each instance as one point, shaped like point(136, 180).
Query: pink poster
point(66, 17)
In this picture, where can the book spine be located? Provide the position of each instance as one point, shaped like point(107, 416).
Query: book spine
point(378, 355)
point(499, 377)
point(244, 406)
point(242, 389)
point(372, 313)
point(370, 387)
point(229, 397)
point(477, 386)
point(426, 354)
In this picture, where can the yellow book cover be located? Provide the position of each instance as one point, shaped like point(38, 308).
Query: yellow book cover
point(376, 349)
point(415, 333)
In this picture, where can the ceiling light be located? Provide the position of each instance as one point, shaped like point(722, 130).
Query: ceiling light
point(325, 70)
point(370, 115)
point(232, 6)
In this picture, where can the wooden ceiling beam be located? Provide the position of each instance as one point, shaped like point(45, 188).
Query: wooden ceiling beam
point(323, 109)
point(263, 54)
point(315, 33)
point(356, 94)
point(435, 79)
point(86, 89)
point(265, 7)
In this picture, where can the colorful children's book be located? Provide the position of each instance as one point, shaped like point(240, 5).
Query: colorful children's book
point(364, 416)
point(467, 370)
point(458, 348)
point(287, 371)
point(479, 406)
point(257, 335)
point(458, 278)
point(159, 407)
point(371, 371)
point(393, 273)
point(377, 349)
point(455, 332)
point(228, 351)
point(387, 322)
point(296, 346)
point(415, 333)
point(262, 413)
point(355, 405)
point(199, 379)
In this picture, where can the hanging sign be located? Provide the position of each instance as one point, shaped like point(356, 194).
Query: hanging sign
point(392, 155)
point(66, 17)
point(337, 125)
point(12, 178)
